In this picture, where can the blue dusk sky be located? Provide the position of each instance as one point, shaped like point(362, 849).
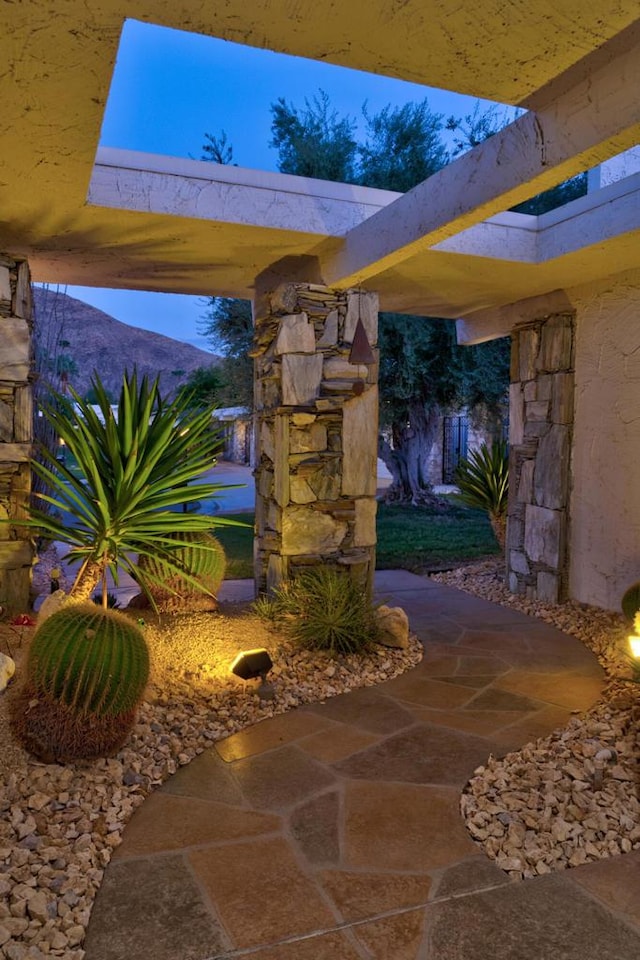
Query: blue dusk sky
point(170, 88)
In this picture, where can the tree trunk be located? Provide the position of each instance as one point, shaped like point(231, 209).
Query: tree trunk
point(407, 460)
point(87, 579)
point(499, 527)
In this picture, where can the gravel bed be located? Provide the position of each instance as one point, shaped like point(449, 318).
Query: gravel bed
point(59, 825)
point(572, 797)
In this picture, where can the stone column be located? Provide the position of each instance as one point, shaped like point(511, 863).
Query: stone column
point(16, 426)
point(317, 433)
point(540, 439)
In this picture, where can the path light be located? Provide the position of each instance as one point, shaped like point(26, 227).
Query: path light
point(634, 644)
point(254, 664)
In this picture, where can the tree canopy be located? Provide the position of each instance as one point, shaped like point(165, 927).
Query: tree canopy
point(422, 369)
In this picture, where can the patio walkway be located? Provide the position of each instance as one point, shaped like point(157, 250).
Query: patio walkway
point(333, 832)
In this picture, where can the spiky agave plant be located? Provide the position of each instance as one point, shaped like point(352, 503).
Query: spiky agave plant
point(132, 468)
point(483, 481)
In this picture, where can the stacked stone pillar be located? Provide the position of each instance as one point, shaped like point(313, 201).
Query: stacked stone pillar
point(540, 439)
point(16, 426)
point(317, 433)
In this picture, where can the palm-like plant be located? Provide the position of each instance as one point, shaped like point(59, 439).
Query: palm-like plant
point(131, 469)
point(483, 481)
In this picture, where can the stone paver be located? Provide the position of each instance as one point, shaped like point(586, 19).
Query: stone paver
point(334, 831)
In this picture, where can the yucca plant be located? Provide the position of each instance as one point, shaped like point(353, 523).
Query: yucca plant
point(132, 468)
point(483, 481)
point(85, 675)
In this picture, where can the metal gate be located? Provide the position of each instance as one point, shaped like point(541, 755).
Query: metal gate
point(454, 445)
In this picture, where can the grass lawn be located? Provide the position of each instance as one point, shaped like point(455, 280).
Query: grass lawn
point(409, 538)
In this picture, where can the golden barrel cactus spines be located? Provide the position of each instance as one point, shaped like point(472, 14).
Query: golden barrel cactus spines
point(86, 674)
point(202, 560)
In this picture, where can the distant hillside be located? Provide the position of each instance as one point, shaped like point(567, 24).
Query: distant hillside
point(94, 340)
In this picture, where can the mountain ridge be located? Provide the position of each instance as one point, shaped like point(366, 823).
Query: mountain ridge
point(94, 340)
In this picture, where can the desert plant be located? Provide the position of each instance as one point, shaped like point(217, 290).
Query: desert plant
point(131, 469)
point(112, 601)
point(631, 602)
point(201, 557)
point(323, 608)
point(85, 675)
point(483, 481)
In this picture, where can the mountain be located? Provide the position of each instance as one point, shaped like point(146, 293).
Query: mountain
point(87, 339)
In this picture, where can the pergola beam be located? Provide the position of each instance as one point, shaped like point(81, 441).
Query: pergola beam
point(591, 121)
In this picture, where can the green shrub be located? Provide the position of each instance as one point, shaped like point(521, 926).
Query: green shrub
point(483, 481)
point(323, 608)
point(85, 675)
point(631, 602)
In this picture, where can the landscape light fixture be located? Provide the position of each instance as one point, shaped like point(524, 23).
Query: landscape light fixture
point(254, 665)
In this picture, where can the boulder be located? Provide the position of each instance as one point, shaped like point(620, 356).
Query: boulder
point(393, 627)
point(7, 670)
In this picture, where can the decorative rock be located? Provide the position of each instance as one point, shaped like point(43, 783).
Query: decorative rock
point(51, 604)
point(7, 670)
point(393, 627)
point(296, 335)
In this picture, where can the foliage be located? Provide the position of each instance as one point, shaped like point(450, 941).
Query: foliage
point(200, 556)
point(228, 325)
point(555, 197)
point(483, 480)
point(217, 149)
point(86, 673)
point(132, 470)
point(403, 147)
point(203, 388)
point(422, 371)
point(112, 600)
point(323, 608)
point(91, 396)
point(314, 141)
point(631, 602)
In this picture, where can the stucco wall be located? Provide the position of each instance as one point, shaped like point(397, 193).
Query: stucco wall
point(605, 501)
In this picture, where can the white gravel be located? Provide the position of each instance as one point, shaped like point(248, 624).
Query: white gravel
point(571, 797)
point(60, 824)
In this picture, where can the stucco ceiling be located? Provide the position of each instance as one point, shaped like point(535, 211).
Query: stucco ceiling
point(57, 63)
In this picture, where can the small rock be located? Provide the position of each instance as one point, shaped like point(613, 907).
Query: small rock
point(393, 627)
point(7, 670)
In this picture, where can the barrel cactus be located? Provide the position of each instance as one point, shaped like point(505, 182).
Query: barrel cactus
point(203, 561)
point(86, 673)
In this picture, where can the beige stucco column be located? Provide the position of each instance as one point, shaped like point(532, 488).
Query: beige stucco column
point(16, 426)
point(317, 431)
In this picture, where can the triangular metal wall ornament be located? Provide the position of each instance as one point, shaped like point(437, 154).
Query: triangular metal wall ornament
point(361, 351)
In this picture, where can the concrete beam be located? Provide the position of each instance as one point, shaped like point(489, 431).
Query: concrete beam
point(146, 183)
point(590, 122)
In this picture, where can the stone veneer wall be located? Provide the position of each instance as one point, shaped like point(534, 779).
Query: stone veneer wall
point(540, 438)
point(316, 433)
point(16, 425)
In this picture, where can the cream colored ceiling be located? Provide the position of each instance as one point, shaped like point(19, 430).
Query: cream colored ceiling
point(57, 62)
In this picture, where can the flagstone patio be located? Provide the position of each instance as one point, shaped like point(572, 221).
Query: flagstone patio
point(333, 831)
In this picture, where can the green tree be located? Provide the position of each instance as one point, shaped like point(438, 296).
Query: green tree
point(228, 325)
point(423, 371)
point(204, 387)
point(314, 141)
point(403, 147)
